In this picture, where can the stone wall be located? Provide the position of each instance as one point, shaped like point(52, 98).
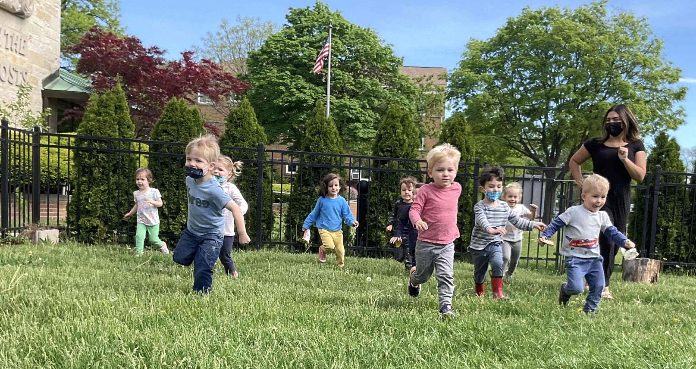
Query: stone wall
point(29, 46)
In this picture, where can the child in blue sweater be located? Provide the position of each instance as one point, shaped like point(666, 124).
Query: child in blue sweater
point(327, 216)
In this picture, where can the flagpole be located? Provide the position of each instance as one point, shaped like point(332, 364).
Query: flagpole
point(328, 77)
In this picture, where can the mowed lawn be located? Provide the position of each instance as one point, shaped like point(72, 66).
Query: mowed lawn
point(74, 306)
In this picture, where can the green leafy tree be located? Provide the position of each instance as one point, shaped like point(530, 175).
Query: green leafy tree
point(544, 81)
point(670, 238)
point(457, 132)
point(177, 125)
point(321, 138)
point(104, 167)
point(364, 76)
point(78, 17)
point(397, 138)
point(243, 130)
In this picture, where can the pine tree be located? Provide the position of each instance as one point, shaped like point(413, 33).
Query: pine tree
point(397, 137)
point(104, 167)
point(321, 138)
point(242, 130)
point(457, 132)
point(177, 125)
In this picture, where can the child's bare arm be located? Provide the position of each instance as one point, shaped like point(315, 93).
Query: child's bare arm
point(131, 211)
point(239, 223)
point(156, 203)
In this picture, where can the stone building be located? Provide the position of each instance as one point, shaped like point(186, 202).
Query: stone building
point(29, 47)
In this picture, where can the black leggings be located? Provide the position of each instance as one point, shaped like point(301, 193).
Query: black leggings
point(226, 255)
point(607, 248)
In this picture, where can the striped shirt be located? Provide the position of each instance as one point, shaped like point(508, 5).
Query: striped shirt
point(487, 216)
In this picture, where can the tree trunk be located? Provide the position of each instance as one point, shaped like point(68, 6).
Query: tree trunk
point(641, 270)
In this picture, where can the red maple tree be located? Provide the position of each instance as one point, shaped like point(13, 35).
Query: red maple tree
point(148, 79)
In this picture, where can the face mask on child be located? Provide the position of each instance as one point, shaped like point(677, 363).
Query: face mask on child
point(493, 195)
point(194, 173)
point(221, 180)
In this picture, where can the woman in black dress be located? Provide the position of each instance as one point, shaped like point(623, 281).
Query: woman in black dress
point(620, 157)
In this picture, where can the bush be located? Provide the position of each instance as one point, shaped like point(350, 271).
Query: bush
point(321, 137)
point(177, 125)
point(243, 130)
point(104, 167)
point(56, 163)
point(397, 137)
point(457, 132)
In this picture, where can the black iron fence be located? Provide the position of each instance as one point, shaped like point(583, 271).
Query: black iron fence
point(38, 182)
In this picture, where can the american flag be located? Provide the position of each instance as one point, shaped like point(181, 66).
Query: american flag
point(319, 63)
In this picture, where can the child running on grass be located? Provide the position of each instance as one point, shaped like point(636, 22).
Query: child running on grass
point(512, 239)
point(582, 226)
point(490, 217)
point(201, 241)
point(147, 200)
point(328, 214)
point(434, 215)
point(404, 234)
point(226, 171)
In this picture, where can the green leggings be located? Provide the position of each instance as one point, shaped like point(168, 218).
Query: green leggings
point(152, 230)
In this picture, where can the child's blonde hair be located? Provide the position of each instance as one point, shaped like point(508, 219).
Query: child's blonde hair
point(234, 167)
point(147, 172)
point(514, 186)
point(206, 146)
point(595, 182)
point(440, 152)
point(409, 181)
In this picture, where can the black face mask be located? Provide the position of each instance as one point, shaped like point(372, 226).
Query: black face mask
point(194, 173)
point(614, 129)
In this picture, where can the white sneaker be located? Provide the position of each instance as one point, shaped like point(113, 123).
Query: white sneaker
point(164, 248)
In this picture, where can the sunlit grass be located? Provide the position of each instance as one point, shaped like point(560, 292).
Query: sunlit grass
point(70, 306)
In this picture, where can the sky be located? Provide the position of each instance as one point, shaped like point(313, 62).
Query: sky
point(430, 33)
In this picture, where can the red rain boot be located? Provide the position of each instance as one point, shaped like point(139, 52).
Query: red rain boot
point(497, 284)
point(480, 289)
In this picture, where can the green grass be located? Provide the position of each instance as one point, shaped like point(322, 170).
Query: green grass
point(70, 306)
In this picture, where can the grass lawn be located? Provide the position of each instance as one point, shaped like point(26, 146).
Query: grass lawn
point(70, 306)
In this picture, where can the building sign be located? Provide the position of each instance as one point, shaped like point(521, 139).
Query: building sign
point(17, 44)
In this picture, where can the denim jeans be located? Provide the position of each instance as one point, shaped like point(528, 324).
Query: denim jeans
point(493, 254)
point(579, 269)
point(202, 251)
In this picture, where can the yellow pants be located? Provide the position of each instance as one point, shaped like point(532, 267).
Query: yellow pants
point(333, 241)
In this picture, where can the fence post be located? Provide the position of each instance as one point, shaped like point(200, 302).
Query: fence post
point(260, 156)
point(650, 249)
point(5, 179)
point(36, 176)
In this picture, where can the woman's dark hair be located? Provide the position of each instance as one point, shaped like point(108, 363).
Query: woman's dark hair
point(324, 184)
point(490, 173)
point(627, 117)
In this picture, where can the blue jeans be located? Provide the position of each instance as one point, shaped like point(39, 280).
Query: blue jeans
point(493, 254)
point(579, 269)
point(202, 251)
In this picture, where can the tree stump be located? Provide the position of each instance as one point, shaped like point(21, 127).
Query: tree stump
point(641, 270)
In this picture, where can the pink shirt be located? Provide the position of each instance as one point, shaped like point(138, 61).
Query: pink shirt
point(437, 206)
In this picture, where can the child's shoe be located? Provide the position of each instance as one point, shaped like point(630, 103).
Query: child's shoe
point(480, 289)
point(322, 255)
point(414, 291)
point(563, 297)
point(164, 248)
point(497, 287)
point(606, 294)
point(446, 312)
point(235, 274)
